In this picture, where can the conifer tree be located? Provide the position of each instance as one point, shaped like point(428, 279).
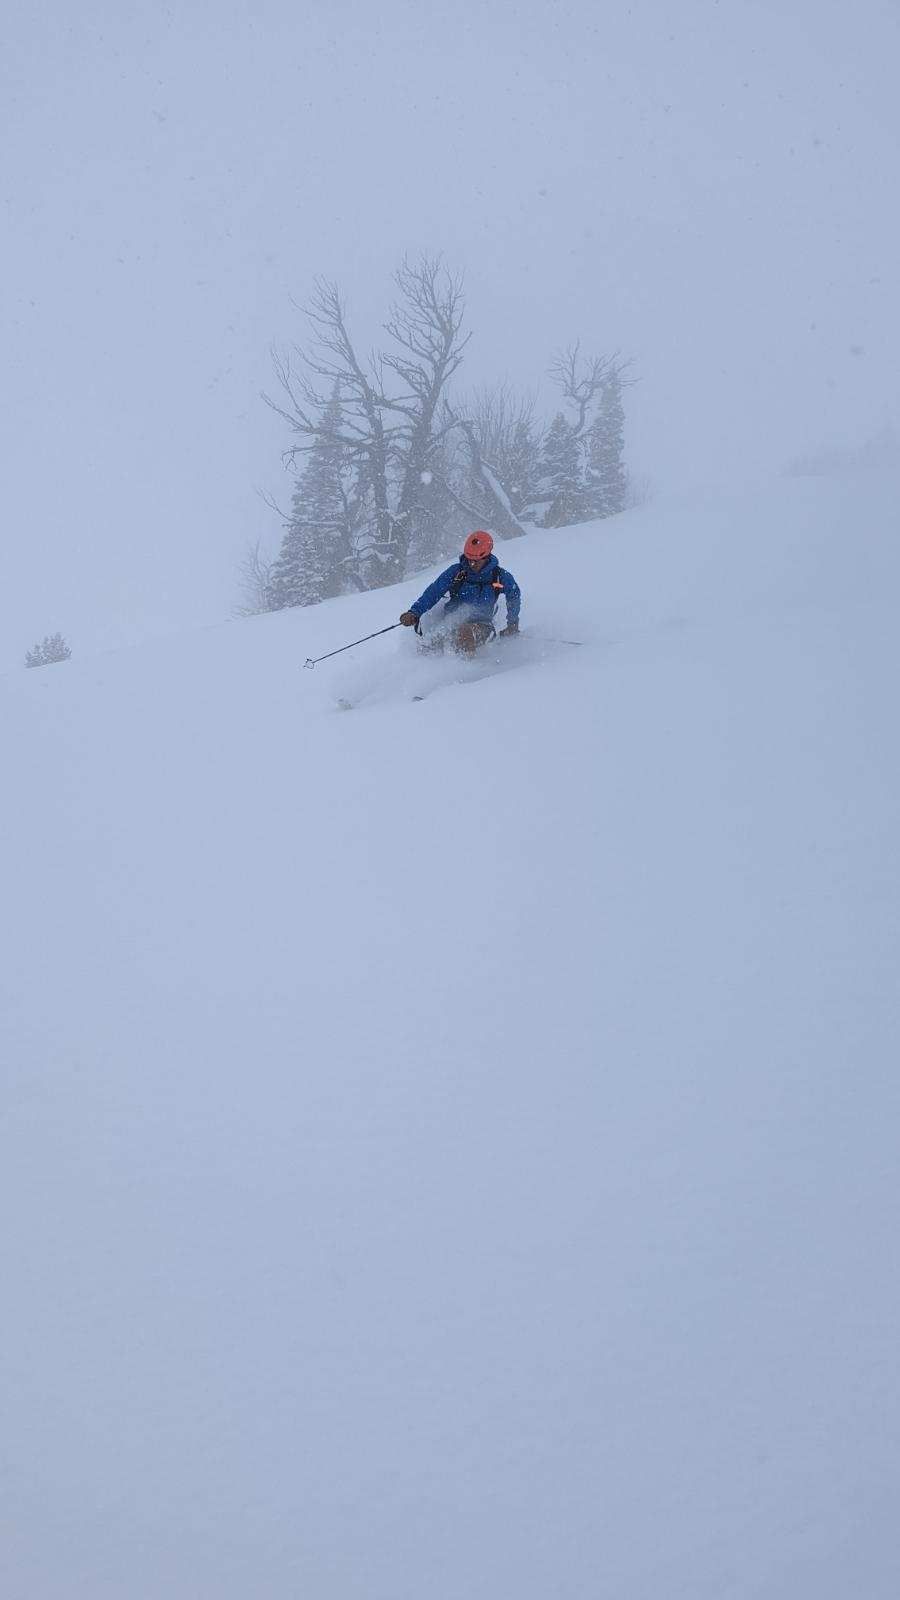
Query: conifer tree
point(51, 648)
point(561, 473)
point(523, 469)
point(439, 527)
point(317, 546)
point(606, 485)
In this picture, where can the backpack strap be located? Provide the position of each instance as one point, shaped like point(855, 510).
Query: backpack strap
point(457, 581)
point(459, 578)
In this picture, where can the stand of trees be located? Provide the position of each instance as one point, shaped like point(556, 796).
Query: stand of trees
point(392, 469)
point(51, 648)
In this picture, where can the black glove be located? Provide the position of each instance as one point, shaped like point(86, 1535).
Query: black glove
point(510, 629)
point(409, 619)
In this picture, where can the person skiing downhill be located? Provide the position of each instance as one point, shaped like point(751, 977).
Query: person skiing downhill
point(474, 585)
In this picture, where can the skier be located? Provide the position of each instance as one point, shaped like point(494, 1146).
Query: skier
point(473, 584)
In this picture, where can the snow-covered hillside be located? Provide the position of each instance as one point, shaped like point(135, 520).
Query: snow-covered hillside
point(450, 1149)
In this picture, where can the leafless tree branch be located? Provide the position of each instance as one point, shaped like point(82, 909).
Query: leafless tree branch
point(583, 378)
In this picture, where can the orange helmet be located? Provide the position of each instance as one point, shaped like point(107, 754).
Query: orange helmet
point(478, 545)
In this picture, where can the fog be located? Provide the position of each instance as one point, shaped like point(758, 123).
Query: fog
point(708, 188)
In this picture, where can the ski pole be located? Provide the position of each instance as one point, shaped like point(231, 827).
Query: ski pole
point(311, 660)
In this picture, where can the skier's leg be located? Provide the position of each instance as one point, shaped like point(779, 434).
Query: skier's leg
point(470, 636)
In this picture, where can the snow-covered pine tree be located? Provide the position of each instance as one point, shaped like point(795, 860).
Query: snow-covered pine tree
point(440, 526)
point(562, 484)
point(51, 648)
point(317, 547)
point(523, 469)
point(606, 481)
point(299, 571)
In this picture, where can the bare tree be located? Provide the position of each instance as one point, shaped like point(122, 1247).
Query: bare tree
point(496, 410)
point(388, 437)
point(426, 326)
point(486, 502)
point(582, 380)
point(253, 580)
point(509, 442)
point(309, 377)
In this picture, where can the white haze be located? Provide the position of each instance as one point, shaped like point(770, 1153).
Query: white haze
point(710, 188)
point(449, 1150)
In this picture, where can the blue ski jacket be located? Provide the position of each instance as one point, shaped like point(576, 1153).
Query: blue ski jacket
point(478, 591)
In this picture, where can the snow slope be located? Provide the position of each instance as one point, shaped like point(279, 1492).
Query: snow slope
point(451, 1149)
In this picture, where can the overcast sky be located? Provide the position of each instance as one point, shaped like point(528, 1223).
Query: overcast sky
point(710, 188)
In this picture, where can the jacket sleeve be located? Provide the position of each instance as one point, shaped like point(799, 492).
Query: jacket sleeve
point(513, 597)
point(430, 596)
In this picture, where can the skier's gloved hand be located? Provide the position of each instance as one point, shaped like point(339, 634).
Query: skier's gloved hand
point(409, 619)
point(510, 629)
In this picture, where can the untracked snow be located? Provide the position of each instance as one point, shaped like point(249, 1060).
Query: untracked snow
point(450, 1150)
